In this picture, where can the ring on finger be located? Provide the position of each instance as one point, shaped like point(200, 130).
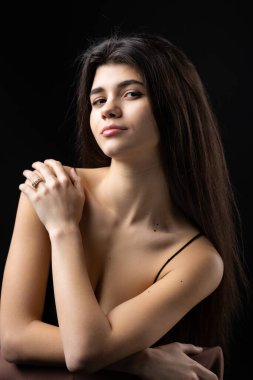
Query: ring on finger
point(36, 182)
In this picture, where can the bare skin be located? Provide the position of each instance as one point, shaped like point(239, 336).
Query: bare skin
point(141, 245)
point(100, 225)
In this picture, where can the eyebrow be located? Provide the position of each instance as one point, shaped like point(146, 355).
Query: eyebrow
point(123, 84)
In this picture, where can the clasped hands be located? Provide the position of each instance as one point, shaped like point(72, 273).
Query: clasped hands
point(59, 198)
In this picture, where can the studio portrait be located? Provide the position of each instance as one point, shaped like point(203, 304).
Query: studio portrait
point(126, 243)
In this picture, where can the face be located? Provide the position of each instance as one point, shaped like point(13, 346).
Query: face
point(121, 117)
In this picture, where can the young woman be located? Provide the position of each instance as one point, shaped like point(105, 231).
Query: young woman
point(141, 239)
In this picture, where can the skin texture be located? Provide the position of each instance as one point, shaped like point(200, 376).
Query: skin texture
point(113, 310)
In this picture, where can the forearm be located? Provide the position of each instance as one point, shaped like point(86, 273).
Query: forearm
point(83, 325)
point(38, 343)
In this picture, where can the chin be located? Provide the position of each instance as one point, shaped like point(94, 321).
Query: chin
point(115, 150)
point(113, 154)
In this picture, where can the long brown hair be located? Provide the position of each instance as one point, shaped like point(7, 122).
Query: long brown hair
point(193, 160)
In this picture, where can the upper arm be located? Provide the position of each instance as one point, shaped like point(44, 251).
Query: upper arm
point(139, 322)
point(26, 270)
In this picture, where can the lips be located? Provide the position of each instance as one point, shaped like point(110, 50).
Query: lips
point(112, 129)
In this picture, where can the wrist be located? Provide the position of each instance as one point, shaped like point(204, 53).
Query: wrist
point(134, 365)
point(64, 229)
point(139, 364)
point(143, 370)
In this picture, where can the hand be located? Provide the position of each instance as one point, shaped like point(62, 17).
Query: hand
point(58, 198)
point(171, 361)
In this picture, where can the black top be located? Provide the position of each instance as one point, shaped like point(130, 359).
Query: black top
point(189, 242)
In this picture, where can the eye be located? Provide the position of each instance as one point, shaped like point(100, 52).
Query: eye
point(133, 94)
point(98, 101)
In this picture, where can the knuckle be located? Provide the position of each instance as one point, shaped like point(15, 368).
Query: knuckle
point(192, 376)
point(64, 181)
point(37, 173)
point(44, 192)
point(54, 184)
point(194, 365)
point(50, 160)
point(36, 197)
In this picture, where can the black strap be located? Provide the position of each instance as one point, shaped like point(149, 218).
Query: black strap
point(189, 242)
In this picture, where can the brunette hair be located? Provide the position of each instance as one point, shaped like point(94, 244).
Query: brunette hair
point(193, 161)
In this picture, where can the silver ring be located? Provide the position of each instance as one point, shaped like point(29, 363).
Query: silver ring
point(36, 182)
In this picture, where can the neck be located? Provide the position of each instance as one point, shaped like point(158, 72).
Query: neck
point(137, 192)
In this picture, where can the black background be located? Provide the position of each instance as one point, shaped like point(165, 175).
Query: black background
point(39, 45)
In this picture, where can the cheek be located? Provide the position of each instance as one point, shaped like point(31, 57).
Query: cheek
point(93, 121)
point(91, 118)
point(147, 123)
point(95, 128)
point(144, 117)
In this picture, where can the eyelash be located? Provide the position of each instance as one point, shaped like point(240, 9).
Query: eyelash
point(137, 94)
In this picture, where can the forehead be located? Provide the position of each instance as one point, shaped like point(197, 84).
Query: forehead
point(109, 75)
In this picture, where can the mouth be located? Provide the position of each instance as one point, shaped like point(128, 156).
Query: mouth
point(112, 129)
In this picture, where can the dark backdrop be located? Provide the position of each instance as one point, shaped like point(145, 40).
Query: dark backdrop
point(39, 45)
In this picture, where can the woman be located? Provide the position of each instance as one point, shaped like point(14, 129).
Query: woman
point(141, 239)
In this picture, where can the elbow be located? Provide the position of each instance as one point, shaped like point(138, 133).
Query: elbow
point(75, 365)
point(81, 364)
point(85, 361)
point(9, 349)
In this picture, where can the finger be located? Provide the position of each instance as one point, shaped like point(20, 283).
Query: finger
point(191, 349)
point(44, 171)
point(76, 179)
point(203, 373)
point(58, 169)
point(32, 177)
point(27, 190)
point(38, 174)
point(187, 348)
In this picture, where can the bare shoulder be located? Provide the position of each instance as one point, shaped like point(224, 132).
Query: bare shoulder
point(209, 252)
point(202, 262)
point(90, 177)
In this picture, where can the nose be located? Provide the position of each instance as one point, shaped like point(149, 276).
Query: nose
point(111, 110)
